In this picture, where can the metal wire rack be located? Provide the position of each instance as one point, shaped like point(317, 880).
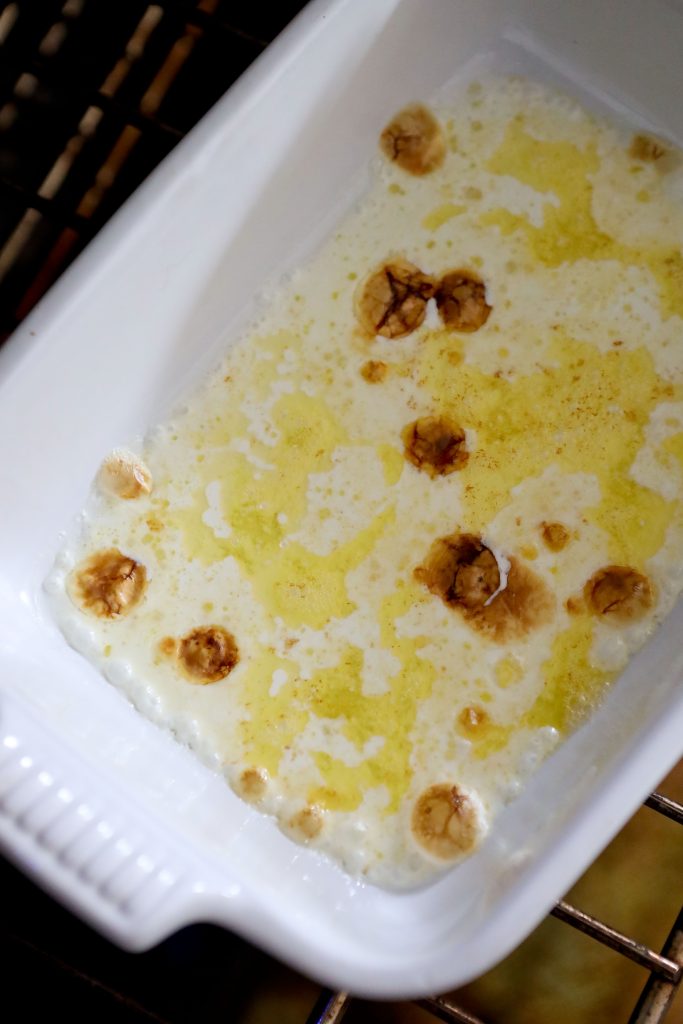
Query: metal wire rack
point(93, 94)
point(665, 969)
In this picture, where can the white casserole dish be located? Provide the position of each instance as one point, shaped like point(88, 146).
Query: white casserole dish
point(97, 804)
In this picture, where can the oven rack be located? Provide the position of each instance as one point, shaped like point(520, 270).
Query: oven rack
point(665, 969)
point(93, 95)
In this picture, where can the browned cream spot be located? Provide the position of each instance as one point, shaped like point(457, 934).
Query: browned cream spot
point(472, 718)
point(413, 139)
point(445, 822)
point(252, 784)
point(463, 572)
point(392, 301)
point(525, 604)
point(461, 301)
point(168, 646)
point(374, 371)
point(619, 593)
point(647, 148)
point(575, 605)
point(207, 654)
point(108, 584)
point(435, 444)
point(555, 535)
point(124, 475)
point(306, 824)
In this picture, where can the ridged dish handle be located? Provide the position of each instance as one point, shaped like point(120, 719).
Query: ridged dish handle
point(70, 830)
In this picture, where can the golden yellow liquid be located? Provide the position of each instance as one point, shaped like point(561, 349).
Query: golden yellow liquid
point(284, 509)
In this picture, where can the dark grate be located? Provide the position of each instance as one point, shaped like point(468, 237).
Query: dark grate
point(93, 94)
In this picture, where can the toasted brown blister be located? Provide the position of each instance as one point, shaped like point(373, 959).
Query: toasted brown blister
point(374, 371)
point(575, 605)
point(461, 570)
point(445, 822)
point(435, 444)
point(168, 646)
point(414, 140)
point(647, 148)
point(207, 654)
point(252, 784)
point(619, 593)
point(464, 573)
point(124, 475)
point(306, 824)
point(472, 718)
point(523, 605)
point(461, 301)
point(108, 584)
point(555, 535)
point(392, 301)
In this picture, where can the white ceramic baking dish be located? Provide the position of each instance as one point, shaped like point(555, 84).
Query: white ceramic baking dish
point(97, 804)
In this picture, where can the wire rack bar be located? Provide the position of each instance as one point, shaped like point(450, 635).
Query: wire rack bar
point(666, 967)
point(93, 95)
point(669, 808)
point(444, 1009)
point(660, 965)
point(658, 994)
point(330, 1007)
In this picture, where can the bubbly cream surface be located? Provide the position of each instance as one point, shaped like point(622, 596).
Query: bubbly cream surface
point(284, 512)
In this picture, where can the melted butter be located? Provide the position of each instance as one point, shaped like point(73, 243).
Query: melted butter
point(291, 581)
point(392, 463)
point(441, 215)
point(337, 693)
point(569, 231)
point(284, 507)
point(271, 721)
point(673, 446)
point(308, 589)
point(486, 736)
point(572, 683)
point(508, 671)
point(572, 686)
point(584, 410)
